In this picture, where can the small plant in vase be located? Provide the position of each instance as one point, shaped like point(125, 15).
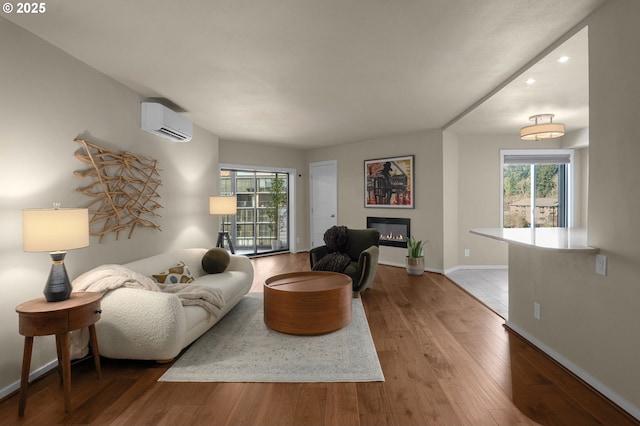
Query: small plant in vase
point(415, 257)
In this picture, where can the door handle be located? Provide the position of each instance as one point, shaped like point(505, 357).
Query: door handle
point(333, 215)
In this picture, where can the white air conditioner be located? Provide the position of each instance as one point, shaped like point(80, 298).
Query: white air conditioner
point(161, 121)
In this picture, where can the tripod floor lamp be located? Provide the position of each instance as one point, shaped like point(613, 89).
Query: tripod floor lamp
point(220, 206)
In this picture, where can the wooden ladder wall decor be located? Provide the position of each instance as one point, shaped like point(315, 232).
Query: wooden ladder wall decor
point(124, 189)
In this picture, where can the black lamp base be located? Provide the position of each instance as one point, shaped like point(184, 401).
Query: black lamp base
point(222, 236)
point(58, 287)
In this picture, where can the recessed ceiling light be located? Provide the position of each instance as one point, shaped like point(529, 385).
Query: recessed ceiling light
point(563, 59)
point(530, 81)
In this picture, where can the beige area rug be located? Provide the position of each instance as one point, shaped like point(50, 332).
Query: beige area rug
point(240, 348)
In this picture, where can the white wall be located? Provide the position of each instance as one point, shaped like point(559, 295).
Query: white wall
point(479, 194)
point(593, 321)
point(48, 98)
point(450, 199)
point(426, 217)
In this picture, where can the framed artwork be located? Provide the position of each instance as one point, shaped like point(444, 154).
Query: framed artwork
point(388, 182)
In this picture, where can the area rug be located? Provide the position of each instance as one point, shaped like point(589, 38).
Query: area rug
point(240, 348)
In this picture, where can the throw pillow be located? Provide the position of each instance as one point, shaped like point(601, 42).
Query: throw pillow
point(215, 260)
point(179, 274)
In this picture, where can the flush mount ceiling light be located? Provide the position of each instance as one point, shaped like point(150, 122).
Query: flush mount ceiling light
point(543, 128)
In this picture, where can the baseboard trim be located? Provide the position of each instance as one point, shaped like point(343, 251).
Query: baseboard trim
point(402, 265)
point(583, 375)
point(466, 267)
point(36, 374)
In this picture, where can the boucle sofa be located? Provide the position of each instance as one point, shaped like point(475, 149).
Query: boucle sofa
point(154, 325)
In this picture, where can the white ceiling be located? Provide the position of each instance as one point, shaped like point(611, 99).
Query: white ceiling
point(313, 73)
point(559, 88)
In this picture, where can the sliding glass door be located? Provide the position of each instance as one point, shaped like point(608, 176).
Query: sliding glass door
point(262, 222)
point(535, 188)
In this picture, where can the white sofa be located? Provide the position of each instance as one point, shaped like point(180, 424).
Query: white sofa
point(150, 325)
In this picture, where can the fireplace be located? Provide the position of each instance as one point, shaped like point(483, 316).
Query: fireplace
point(394, 231)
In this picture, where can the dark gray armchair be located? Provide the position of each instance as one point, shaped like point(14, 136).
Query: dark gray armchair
point(362, 248)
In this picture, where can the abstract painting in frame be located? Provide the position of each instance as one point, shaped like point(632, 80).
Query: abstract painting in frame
point(388, 182)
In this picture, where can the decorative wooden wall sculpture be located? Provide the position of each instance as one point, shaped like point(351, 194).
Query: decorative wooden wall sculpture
point(124, 190)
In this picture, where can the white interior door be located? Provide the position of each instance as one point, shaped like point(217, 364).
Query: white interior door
point(324, 199)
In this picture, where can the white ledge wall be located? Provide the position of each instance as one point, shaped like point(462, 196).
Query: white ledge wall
point(574, 326)
point(593, 321)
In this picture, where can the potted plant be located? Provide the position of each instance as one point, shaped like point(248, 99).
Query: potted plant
point(415, 257)
point(278, 199)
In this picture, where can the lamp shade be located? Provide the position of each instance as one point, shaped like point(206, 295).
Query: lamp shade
point(223, 205)
point(544, 128)
point(54, 229)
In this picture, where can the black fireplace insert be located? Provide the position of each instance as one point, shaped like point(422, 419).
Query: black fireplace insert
point(394, 231)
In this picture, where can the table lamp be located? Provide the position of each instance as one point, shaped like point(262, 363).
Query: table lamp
point(223, 205)
point(55, 230)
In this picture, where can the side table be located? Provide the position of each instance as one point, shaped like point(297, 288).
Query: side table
point(41, 318)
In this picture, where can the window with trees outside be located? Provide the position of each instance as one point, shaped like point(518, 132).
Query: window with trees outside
point(536, 188)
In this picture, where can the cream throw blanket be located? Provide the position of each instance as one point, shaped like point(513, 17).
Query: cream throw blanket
point(110, 277)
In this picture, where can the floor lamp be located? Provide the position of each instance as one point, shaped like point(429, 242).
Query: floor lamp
point(220, 206)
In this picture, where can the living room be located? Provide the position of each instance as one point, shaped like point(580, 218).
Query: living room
point(49, 98)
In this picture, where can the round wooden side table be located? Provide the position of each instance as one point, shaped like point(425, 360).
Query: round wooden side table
point(308, 303)
point(38, 317)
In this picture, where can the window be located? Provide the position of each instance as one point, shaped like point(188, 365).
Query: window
point(536, 188)
point(257, 227)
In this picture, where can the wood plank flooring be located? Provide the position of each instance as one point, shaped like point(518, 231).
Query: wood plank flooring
point(446, 358)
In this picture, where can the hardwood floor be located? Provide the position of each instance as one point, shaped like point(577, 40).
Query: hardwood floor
point(446, 358)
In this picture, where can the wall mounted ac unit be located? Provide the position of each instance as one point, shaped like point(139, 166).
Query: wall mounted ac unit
point(161, 121)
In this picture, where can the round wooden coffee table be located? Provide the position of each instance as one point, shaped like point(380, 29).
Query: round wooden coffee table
point(307, 303)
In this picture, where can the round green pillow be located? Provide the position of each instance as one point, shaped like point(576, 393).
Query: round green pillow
point(215, 260)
